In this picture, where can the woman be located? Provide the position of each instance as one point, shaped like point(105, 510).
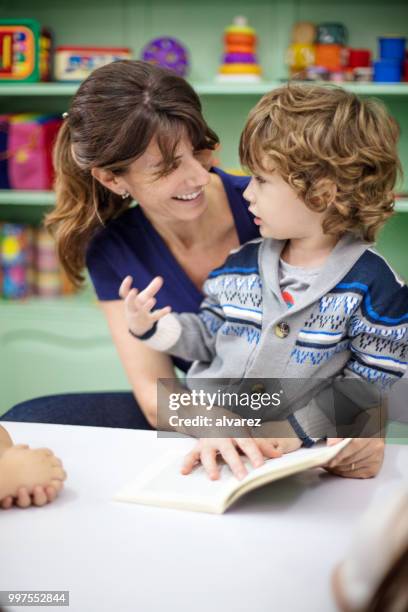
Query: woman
point(136, 132)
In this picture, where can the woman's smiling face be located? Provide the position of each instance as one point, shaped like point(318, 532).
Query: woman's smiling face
point(177, 195)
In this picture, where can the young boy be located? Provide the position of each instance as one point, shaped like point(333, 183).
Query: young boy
point(27, 475)
point(311, 301)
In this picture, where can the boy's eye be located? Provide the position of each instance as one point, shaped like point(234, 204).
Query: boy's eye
point(259, 179)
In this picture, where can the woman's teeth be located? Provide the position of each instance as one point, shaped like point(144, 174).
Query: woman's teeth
point(189, 196)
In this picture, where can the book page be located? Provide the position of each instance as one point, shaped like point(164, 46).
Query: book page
point(162, 483)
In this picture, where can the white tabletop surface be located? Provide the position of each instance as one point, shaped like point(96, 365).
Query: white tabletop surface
point(273, 551)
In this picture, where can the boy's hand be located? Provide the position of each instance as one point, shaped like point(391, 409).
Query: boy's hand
point(207, 449)
point(138, 306)
point(278, 435)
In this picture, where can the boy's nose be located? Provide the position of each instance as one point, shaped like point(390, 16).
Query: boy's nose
point(248, 195)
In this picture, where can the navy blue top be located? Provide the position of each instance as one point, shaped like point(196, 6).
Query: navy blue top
point(130, 245)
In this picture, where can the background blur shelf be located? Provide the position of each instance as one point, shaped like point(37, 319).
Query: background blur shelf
point(203, 88)
point(47, 198)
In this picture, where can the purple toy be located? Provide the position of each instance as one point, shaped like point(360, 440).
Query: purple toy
point(167, 53)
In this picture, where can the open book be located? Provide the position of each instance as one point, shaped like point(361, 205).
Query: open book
point(162, 484)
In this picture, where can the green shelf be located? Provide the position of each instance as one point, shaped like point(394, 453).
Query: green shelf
point(27, 198)
point(203, 88)
point(47, 198)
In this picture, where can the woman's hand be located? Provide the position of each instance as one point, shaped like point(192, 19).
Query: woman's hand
point(362, 458)
point(207, 449)
point(138, 306)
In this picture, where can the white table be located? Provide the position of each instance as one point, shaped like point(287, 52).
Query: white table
point(273, 551)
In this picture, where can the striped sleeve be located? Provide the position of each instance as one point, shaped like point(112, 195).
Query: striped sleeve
point(377, 337)
point(187, 335)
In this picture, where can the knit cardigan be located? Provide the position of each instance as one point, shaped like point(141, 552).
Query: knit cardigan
point(350, 325)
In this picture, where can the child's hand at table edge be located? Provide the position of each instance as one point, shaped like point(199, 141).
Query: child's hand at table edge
point(207, 449)
point(138, 305)
point(30, 476)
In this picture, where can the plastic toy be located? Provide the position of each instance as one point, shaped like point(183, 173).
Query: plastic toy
point(30, 142)
point(25, 51)
point(239, 60)
point(48, 277)
point(73, 64)
point(14, 248)
point(301, 51)
point(332, 34)
point(168, 53)
point(390, 65)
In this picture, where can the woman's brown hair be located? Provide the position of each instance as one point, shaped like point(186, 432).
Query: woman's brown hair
point(312, 133)
point(113, 117)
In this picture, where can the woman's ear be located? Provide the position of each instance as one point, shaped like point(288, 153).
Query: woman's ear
point(108, 180)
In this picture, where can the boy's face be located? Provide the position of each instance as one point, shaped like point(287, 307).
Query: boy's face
point(278, 210)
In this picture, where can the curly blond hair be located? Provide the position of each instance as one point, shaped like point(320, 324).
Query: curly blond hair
point(314, 134)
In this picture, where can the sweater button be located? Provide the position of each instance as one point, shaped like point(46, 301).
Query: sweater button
point(282, 329)
point(258, 388)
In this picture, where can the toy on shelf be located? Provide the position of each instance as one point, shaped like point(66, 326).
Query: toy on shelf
point(319, 53)
point(29, 264)
point(73, 64)
point(14, 242)
point(26, 151)
point(301, 52)
point(331, 54)
point(390, 66)
point(4, 131)
point(239, 61)
point(168, 53)
point(48, 276)
point(25, 51)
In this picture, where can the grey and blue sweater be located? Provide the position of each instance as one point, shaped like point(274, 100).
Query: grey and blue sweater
point(352, 323)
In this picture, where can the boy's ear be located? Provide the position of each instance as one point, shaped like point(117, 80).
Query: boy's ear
point(107, 179)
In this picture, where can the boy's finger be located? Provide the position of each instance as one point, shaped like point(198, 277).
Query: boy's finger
point(131, 299)
point(269, 447)
point(232, 458)
point(160, 313)
point(190, 461)
point(149, 304)
point(151, 289)
point(208, 459)
point(251, 450)
point(125, 287)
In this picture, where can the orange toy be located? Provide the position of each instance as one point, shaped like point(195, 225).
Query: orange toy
point(239, 61)
point(331, 57)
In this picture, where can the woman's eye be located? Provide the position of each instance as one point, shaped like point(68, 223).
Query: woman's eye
point(259, 179)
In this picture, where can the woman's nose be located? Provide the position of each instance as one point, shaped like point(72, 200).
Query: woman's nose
point(197, 174)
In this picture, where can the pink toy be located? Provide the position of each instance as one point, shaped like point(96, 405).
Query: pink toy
point(30, 142)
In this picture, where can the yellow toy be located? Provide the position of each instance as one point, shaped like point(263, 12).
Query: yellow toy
point(239, 61)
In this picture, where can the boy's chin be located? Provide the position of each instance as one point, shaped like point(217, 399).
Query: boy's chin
point(267, 232)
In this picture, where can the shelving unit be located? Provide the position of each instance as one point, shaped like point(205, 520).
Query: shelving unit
point(47, 198)
point(211, 88)
point(64, 345)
